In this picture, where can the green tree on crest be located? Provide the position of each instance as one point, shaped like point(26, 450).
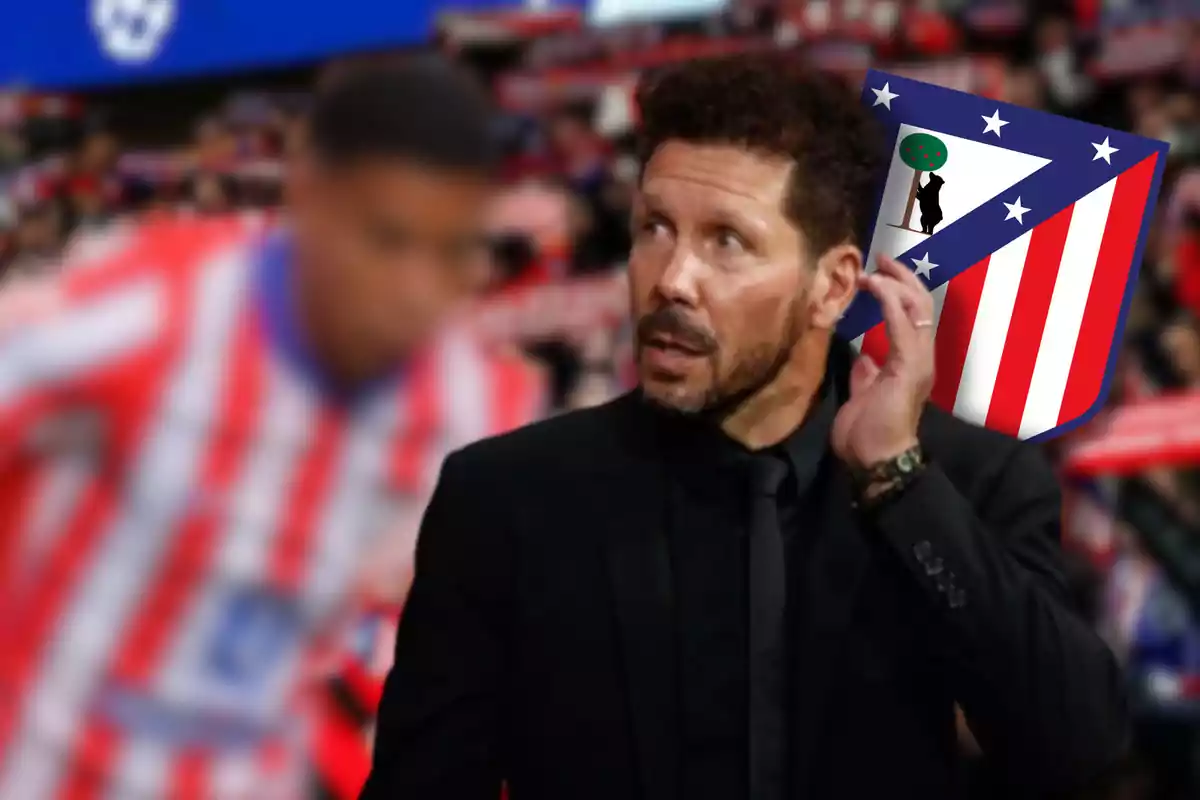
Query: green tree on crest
point(924, 152)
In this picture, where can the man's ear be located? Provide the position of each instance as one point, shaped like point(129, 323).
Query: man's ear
point(834, 284)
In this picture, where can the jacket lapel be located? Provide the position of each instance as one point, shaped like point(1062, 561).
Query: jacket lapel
point(831, 586)
point(639, 567)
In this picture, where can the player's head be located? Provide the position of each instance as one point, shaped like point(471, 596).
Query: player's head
point(757, 180)
point(389, 191)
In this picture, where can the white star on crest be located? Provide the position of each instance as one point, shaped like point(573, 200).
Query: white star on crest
point(1103, 150)
point(923, 266)
point(884, 97)
point(1016, 211)
point(994, 123)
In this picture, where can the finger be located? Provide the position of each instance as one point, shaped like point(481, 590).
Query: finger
point(863, 373)
point(918, 298)
point(901, 332)
point(910, 299)
point(920, 312)
point(897, 269)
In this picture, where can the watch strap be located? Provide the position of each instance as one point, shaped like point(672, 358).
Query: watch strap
point(889, 478)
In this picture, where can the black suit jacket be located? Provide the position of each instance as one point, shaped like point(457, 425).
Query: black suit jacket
point(537, 646)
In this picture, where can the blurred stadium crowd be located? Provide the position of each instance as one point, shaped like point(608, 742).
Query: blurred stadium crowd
point(76, 169)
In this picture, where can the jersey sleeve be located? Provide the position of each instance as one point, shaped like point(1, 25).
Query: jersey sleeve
point(59, 345)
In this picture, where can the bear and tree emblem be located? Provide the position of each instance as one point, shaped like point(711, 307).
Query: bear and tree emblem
point(924, 153)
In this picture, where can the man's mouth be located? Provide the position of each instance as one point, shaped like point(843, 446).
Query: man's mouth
point(664, 341)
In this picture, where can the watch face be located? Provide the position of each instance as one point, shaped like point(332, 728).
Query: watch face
point(905, 462)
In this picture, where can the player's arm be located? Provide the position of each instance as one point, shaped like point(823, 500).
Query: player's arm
point(438, 730)
point(60, 346)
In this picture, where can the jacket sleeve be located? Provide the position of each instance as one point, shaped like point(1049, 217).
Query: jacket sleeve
point(1040, 690)
point(437, 730)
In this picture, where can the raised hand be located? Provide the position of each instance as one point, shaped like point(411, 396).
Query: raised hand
point(880, 419)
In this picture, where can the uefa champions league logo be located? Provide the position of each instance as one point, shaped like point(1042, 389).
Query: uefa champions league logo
point(132, 31)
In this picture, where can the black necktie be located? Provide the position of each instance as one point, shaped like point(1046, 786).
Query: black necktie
point(768, 598)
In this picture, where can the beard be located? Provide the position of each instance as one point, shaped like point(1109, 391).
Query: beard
point(753, 367)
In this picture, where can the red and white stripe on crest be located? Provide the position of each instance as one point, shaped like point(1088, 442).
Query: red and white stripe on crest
point(1023, 337)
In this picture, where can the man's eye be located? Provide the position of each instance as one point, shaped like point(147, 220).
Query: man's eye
point(462, 252)
point(389, 238)
point(729, 239)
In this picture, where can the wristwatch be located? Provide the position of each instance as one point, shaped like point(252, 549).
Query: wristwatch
point(883, 482)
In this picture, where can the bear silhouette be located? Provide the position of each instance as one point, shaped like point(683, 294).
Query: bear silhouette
point(931, 207)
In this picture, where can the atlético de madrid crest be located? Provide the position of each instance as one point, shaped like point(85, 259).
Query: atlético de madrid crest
point(1028, 228)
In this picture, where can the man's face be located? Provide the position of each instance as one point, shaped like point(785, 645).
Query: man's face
point(98, 153)
point(718, 274)
point(392, 246)
point(38, 231)
point(569, 134)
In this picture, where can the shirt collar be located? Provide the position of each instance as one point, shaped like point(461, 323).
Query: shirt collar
point(279, 309)
point(699, 448)
point(808, 443)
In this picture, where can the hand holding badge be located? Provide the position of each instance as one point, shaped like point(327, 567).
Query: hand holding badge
point(1025, 230)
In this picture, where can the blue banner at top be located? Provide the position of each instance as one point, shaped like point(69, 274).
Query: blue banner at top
point(63, 44)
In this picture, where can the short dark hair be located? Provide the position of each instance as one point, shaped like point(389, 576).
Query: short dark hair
point(423, 109)
point(774, 103)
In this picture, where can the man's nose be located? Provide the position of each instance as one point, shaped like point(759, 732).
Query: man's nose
point(679, 280)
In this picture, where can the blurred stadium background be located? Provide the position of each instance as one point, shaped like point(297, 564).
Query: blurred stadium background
point(115, 110)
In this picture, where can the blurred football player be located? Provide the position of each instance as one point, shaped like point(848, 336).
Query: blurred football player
point(201, 433)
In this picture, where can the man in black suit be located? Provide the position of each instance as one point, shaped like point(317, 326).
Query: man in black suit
point(768, 573)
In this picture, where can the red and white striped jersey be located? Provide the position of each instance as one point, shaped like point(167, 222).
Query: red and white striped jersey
point(182, 516)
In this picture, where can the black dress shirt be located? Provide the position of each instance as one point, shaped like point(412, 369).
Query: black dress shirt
point(711, 566)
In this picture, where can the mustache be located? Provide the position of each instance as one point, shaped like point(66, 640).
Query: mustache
point(673, 322)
